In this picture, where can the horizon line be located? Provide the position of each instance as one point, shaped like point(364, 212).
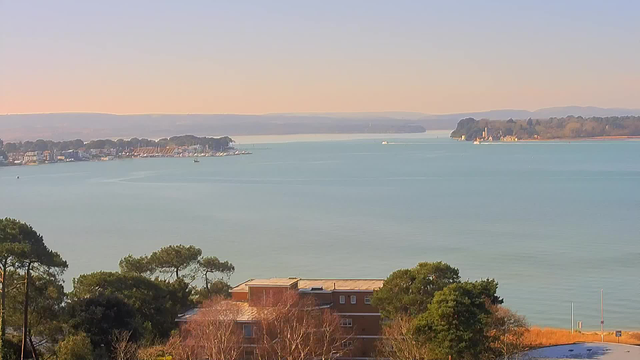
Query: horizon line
point(309, 113)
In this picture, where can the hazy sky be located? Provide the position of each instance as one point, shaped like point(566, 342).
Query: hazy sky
point(156, 56)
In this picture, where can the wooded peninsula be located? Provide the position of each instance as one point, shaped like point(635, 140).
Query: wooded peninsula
point(569, 127)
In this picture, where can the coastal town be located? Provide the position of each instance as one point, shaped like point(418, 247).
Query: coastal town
point(41, 152)
point(53, 156)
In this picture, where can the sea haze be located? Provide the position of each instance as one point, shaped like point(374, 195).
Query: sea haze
point(91, 126)
point(552, 222)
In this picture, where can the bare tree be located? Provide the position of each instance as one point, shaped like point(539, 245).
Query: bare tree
point(295, 328)
point(398, 342)
point(213, 333)
point(508, 332)
point(122, 347)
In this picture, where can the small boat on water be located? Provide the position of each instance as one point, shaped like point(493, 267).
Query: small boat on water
point(477, 142)
point(196, 160)
point(385, 143)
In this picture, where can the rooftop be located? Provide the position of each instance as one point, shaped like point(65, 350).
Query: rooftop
point(341, 284)
point(239, 311)
point(326, 284)
point(279, 282)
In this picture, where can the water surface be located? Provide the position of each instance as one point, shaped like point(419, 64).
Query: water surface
point(552, 222)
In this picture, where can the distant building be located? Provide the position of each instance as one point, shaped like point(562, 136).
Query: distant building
point(33, 157)
point(73, 155)
point(49, 156)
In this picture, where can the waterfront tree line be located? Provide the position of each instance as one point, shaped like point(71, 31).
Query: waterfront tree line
point(552, 128)
point(212, 143)
point(429, 313)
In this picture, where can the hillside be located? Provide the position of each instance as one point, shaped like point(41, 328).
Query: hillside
point(65, 126)
point(569, 127)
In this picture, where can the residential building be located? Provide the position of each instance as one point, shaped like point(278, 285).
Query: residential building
point(351, 299)
point(49, 156)
point(33, 157)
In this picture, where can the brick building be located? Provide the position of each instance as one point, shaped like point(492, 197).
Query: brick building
point(349, 298)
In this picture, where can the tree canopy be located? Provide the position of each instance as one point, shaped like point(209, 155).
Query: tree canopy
point(409, 291)
point(174, 259)
point(214, 144)
point(455, 322)
point(75, 347)
point(137, 265)
point(156, 303)
point(552, 128)
point(132, 301)
point(431, 314)
point(23, 251)
point(99, 316)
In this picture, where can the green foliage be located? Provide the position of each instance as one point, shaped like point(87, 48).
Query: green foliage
point(552, 128)
point(174, 259)
point(46, 307)
point(214, 144)
point(409, 291)
point(99, 316)
point(101, 302)
point(22, 244)
point(22, 249)
point(156, 302)
point(217, 288)
point(213, 265)
point(488, 288)
point(136, 265)
point(11, 348)
point(455, 322)
point(75, 347)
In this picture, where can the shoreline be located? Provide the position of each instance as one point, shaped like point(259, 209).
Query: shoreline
point(592, 138)
point(128, 157)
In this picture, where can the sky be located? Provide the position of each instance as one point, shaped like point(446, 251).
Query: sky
point(255, 57)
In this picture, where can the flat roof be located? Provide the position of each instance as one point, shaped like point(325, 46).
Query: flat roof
point(341, 284)
point(278, 282)
point(326, 284)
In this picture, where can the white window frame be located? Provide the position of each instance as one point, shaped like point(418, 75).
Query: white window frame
point(343, 299)
point(244, 331)
point(367, 300)
point(346, 322)
point(354, 299)
point(347, 344)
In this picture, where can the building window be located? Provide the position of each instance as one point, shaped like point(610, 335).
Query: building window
point(343, 299)
point(344, 322)
point(367, 300)
point(248, 354)
point(347, 344)
point(353, 299)
point(247, 330)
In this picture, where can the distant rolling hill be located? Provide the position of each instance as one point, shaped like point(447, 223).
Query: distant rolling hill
point(63, 126)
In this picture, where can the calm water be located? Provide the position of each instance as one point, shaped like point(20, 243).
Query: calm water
point(552, 222)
